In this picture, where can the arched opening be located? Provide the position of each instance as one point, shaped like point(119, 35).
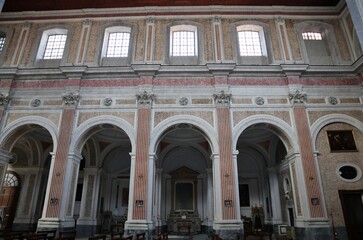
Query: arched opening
point(30, 146)
point(184, 181)
point(102, 194)
point(265, 191)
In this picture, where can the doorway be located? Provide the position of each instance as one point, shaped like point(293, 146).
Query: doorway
point(9, 200)
point(352, 205)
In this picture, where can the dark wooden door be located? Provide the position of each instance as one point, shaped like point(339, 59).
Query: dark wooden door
point(8, 201)
point(353, 213)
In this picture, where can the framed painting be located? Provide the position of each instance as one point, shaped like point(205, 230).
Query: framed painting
point(341, 140)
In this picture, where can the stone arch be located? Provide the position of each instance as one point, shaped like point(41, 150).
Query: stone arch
point(284, 130)
point(332, 118)
point(19, 127)
point(206, 130)
point(81, 133)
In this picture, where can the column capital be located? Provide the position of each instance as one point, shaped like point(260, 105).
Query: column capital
point(222, 98)
point(71, 99)
point(145, 99)
point(4, 99)
point(297, 97)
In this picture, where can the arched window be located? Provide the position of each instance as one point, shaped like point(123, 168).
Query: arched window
point(184, 43)
point(117, 45)
point(2, 41)
point(5, 36)
point(52, 46)
point(183, 40)
point(11, 180)
point(250, 44)
point(317, 42)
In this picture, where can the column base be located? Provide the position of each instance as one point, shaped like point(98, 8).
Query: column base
point(313, 229)
point(228, 229)
point(55, 223)
point(134, 227)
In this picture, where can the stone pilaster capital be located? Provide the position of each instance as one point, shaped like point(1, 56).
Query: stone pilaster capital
point(222, 98)
point(145, 99)
point(71, 99)
point(4, 100)
point(297, 97)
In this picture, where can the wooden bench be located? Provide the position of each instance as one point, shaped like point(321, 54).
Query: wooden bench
point(116, 236)
point(50, 234)
point(127, 238)
point(67, 235)
point(98, 237)
point(35, 236)
point(140, 236)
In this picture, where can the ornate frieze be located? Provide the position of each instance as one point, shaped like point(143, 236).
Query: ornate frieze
point(4, 99)
point(145, 99)
point(222, 98)
point(297, 97)
point(71, 99)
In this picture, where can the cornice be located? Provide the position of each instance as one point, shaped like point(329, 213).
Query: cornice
point(189, 71)
point(176, 11)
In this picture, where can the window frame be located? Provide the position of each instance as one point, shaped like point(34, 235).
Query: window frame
point(102, 44)
point(183, 28)
point(40, 44)
point(7, 33)
point(328, 36)
point(266, 57)
point(198, 30)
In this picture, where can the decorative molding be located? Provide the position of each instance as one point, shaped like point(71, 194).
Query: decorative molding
point(71, 99)
point(150, 20)
point(145, 99)
point(222, 98)
point(333, 100)
point(107, 101)
point(297, 97)
point(35, 103)
point(183, 101)
point(259, 100)
point(87, 22)
point(4, 100)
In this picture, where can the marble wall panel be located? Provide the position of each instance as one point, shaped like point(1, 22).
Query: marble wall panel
point(328, 163)
point(240, 115)
point(315, 115)
point(54, 117)
point(127, 116)
point(207, 116)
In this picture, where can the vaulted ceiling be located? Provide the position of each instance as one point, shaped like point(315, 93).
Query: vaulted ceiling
point(43, 5)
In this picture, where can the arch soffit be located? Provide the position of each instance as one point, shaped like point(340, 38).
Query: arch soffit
point(287, 136)
point(332, 118)
point(80, 134)
point(8, 132)
point(207, 130)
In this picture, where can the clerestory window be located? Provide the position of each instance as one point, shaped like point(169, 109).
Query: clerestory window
point(249, 43)
point(2, 43)
point(117, 45)
point(55, 46)
point(183, 43)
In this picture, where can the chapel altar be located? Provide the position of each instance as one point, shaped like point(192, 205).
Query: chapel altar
point(184, 217)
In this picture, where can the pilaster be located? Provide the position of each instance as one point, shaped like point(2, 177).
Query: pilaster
point(63, 172)
point(142, 196)
point(230, 219)
point(356, 11)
